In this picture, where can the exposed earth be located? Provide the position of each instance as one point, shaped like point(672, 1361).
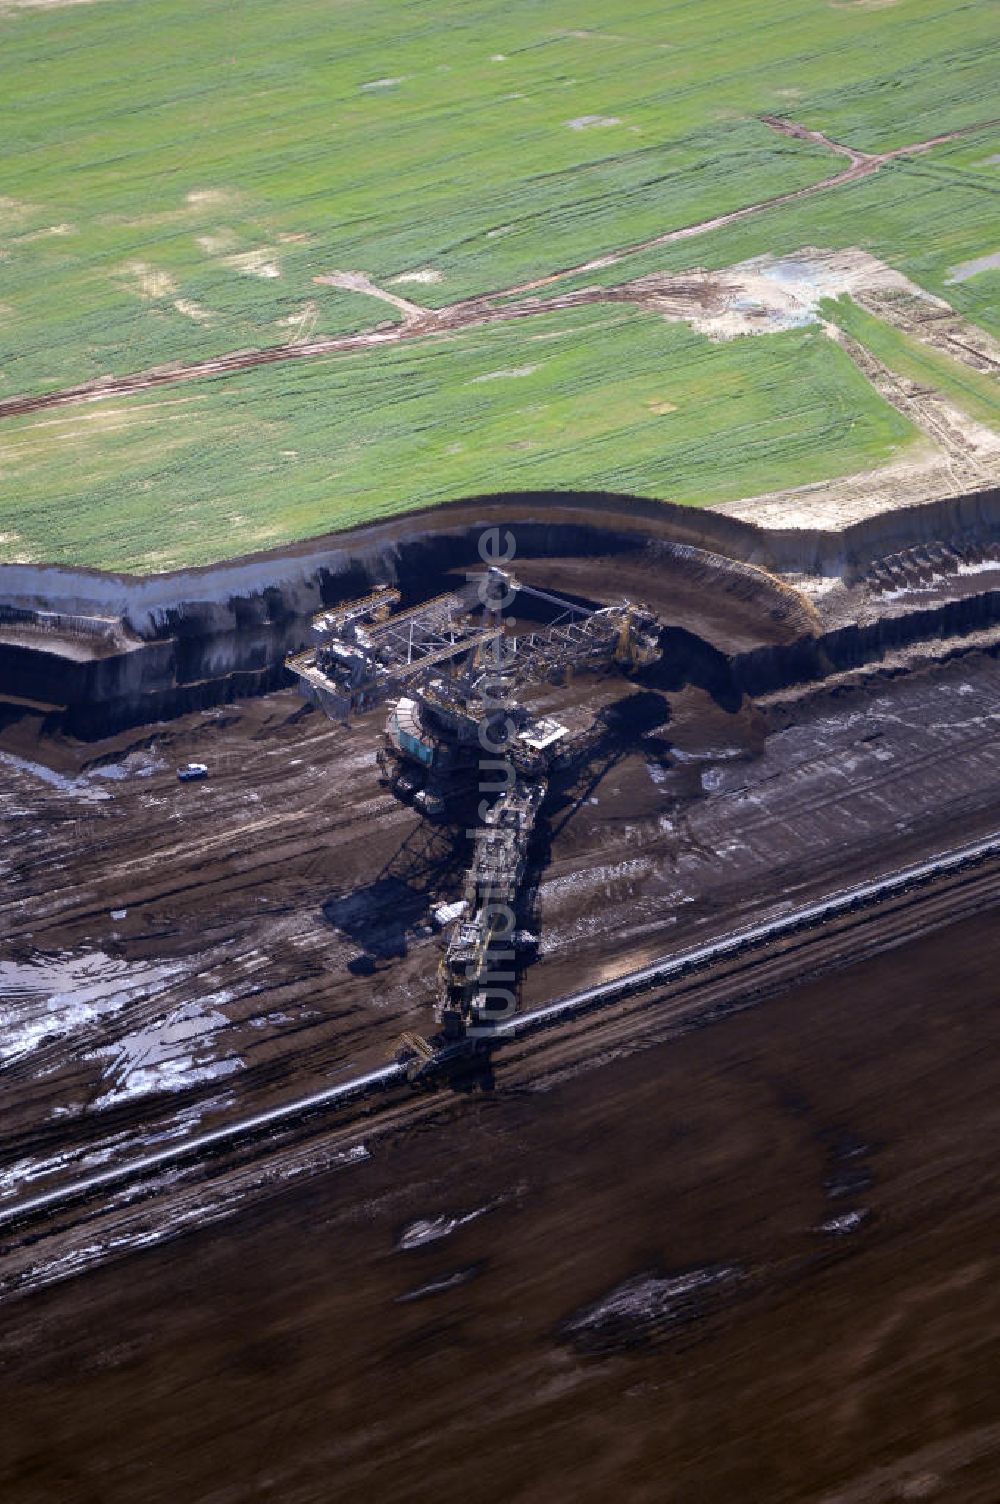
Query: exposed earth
point(183, 954)
point(726, 1232)
point(741, 1264)
point(707, 1243)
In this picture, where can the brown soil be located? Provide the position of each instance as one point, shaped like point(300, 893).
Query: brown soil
point(285, 1329)
point(300, 1353)
point(286, 897)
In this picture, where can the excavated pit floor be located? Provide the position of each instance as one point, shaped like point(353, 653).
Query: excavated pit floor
point(179, 955)
point(759, 1262)
point(557, 1291)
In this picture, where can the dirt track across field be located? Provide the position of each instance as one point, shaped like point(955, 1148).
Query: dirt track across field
point(486, 308)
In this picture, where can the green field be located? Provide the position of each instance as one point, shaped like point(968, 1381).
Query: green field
point(176, 173)
point(922, 214)
point(610, 397)
point(973, 391)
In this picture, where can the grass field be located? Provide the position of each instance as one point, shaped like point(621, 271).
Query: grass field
point(973, 391)
point(922, 214)
point(609, 397)
point(175, 174)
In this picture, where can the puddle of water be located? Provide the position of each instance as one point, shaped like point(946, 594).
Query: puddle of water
point(133, 766)
point(83, 786)
point(65, 996)
point(62, 995)
point(175, 1052)
point(78, 788)
point(430, 1229)
point(439, 1286)
point(799, 273)
point(646, 1307)
point(840, 1227)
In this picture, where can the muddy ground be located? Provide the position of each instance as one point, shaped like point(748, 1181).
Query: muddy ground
point(754, 1263)
point(179, 955)
point(758, 1263)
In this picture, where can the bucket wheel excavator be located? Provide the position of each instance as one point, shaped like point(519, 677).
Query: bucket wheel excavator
point(455, 674)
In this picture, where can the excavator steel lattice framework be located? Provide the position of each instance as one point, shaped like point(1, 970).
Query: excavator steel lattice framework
point(455, 680)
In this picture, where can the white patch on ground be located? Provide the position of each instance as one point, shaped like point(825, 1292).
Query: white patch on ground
point(438, 1286)
point(432, 1229)
point(148, 281)
point(768, 294)
point(218, 243)
point(201, 198)
point(303, 322)
point(382, 83)
point(13, 5)
point(193, 310)
point(259, 263)
point(504, 375)
point(966, 269)
point(425, 274)
point(62, 995)
point(647, 1300)
point(175, 1052)
point(930, 586)
point(361, 282)
point(47, 233)
point(839, 1227)
point(589, 122)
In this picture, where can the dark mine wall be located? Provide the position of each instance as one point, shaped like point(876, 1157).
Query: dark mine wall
point(200, 636)
point(766, 669)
